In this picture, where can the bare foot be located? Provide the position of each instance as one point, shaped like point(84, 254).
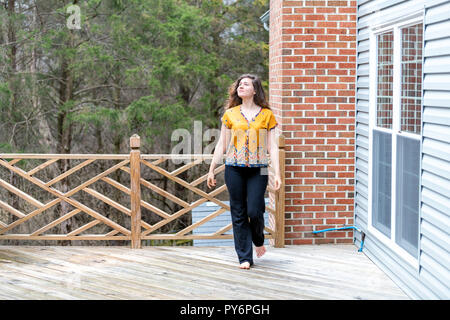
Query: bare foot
point(260, 251)
point(245, 265)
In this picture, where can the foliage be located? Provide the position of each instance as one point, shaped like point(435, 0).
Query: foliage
point(137, 66)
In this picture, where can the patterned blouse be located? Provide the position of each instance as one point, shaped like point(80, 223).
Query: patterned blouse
point(248, 143)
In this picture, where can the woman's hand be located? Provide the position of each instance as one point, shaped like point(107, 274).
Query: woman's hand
point(277, 182)
point(210, 181)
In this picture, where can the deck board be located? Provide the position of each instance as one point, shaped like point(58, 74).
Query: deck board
point(194, 273)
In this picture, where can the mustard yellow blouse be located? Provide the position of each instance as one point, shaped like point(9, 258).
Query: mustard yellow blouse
point(248, 143)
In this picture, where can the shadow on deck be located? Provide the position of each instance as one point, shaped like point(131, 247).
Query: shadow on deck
point(193, 273)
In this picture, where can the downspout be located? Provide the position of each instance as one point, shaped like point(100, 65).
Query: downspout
point(363, 235)
point(265, 19)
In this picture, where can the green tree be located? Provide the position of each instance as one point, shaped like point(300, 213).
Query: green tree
point(136, 66)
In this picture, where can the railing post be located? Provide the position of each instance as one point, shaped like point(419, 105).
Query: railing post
point(279, 198)
point(135, 173)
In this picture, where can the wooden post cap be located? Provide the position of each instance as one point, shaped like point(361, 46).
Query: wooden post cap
point(135, 141)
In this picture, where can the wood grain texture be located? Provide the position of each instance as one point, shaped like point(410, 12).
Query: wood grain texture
point(280, 197)
point(289, 273)
point(135, 187)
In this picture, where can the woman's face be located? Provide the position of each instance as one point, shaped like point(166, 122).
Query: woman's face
point(245, 88)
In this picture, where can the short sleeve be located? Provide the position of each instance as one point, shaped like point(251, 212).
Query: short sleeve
point(272, 122)
point(226, 120)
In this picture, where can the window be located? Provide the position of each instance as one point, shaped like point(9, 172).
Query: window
point(411, 67)
point(395, 130)
point(385, 68)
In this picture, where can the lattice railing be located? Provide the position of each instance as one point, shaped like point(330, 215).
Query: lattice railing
point(108, 191)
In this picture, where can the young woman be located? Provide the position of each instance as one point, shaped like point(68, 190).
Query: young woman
point(247, 131)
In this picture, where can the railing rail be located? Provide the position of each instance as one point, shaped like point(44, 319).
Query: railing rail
point(132, 164)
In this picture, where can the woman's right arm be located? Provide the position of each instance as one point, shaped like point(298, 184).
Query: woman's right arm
point(218, 154)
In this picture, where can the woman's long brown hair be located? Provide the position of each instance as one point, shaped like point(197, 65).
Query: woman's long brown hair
point(259, 98)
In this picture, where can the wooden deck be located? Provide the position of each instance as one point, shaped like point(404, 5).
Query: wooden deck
point(193, 273)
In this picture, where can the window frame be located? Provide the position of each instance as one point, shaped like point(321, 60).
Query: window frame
point(396, 27)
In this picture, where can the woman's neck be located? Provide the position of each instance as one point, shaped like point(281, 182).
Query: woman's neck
point(248, 104)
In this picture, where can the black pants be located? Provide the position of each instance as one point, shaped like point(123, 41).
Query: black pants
point(246, 186)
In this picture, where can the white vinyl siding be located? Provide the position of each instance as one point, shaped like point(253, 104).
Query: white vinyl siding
point(430, 279)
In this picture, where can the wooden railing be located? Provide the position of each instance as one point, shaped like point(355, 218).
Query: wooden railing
point(138, 229)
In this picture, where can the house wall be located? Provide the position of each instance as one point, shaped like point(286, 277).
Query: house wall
point(431, 278)
point(435, 213)
point(312, 71)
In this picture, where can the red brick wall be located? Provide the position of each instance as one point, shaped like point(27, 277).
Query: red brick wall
point(312, 93)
